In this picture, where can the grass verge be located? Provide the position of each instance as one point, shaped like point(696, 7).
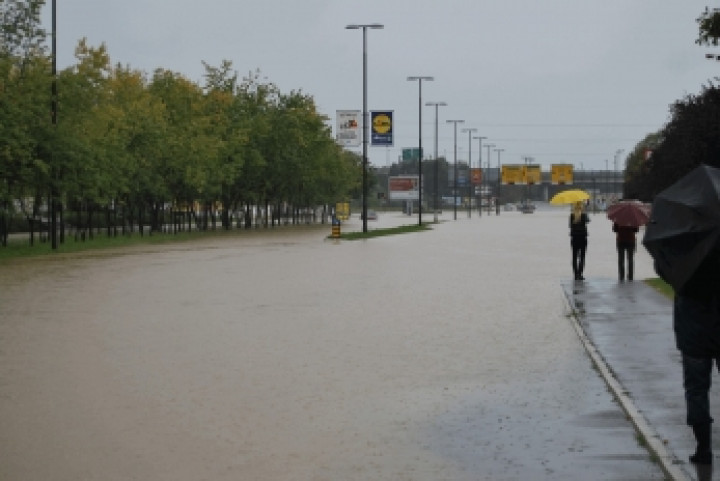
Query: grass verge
point(18, 248)
point(403, 229)
point(661, 286)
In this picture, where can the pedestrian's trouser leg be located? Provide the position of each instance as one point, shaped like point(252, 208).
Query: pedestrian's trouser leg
point(703, 451)
point(630, 254)
point(575, 254)
point(621, 262)
point(696, 381)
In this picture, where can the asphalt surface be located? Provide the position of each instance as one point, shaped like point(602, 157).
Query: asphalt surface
point(626, 328)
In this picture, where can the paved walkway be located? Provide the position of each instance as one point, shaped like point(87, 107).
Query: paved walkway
point(627, 331)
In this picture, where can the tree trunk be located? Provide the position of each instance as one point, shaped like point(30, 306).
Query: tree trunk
point(89, 221)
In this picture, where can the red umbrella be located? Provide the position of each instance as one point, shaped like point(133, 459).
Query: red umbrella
point(629, 213)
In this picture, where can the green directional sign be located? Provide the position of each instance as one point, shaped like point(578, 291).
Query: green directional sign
point(410, 154)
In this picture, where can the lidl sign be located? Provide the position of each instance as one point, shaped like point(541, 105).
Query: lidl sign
point(381, 127)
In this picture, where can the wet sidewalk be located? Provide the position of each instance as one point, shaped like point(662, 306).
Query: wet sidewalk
point(627, 331)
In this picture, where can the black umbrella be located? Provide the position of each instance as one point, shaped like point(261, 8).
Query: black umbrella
point(684, 228)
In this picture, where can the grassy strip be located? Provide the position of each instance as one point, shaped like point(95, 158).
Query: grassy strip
point(17, 249)
point(22, 249)
point(403, 229)
point(661, 286)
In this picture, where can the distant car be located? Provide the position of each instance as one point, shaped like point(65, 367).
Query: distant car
point(371, 215)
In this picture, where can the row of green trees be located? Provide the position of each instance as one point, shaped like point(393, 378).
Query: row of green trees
point(128, 146)
point(690, 138)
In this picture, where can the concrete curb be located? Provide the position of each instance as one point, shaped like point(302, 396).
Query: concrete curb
point(653, 442)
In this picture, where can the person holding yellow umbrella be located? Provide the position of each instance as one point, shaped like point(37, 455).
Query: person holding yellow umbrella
point(578, 227)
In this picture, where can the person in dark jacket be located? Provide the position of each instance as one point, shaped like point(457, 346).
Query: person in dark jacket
point(696, 322)
point(578, 239)
point(626, 245)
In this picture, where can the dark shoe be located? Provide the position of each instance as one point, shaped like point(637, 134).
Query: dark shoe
point(703, 453)
point(704, 457)
point(580, 277)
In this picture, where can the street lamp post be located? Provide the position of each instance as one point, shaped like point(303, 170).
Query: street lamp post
point(364, 28)
point(528, 160)
point(488, 147)
point(455, 122)
point(607, 183)
point(469, 177)
point(53, 106)
point(594, 194)
point(482, 176)
point(437, 169)
point(618, 152)
point(420, 154)
point(497, 204)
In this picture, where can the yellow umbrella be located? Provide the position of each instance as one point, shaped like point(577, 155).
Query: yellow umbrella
point(569, 197)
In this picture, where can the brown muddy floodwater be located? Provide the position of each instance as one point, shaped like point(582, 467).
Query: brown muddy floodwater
point(282, 355)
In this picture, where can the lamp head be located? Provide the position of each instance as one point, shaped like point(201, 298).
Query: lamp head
point(355, 26)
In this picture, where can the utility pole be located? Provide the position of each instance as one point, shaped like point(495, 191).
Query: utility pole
point(455, 122)
point(469, 177)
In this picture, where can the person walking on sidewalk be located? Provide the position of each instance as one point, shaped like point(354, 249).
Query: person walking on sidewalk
point(626, 245)
point(578, 239)
point(696, 321)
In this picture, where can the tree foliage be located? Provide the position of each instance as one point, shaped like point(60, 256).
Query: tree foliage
point(708, 27)
point(128, 144)
point(689, 139)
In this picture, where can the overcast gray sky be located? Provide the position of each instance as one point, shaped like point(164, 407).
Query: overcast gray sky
point(562, 81)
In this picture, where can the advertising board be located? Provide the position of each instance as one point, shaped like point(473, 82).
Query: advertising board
point(403, 187)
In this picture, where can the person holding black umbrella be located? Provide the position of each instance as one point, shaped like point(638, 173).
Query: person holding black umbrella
point(683, 237)
point(696, 321)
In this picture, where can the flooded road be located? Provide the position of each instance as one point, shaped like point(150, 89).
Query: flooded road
point(283, 355)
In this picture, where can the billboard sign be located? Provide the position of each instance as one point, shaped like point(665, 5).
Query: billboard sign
point(561, 174)
point(532, 174)
point(381, 124)
point(347, 132)
point(512, 174)
point(462, 176)
point(404, 187)
point(476, 176)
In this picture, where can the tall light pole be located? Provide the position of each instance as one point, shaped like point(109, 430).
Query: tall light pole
point(364, 28)
point(607, 182)
point(618, 152)
point(482, 176)
point(527, 160)
point(437, 168)
point(497, 203)
point(53, 106)
point(420, 154)
point(488, 147)
point(455, 122)
point(469, 177)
